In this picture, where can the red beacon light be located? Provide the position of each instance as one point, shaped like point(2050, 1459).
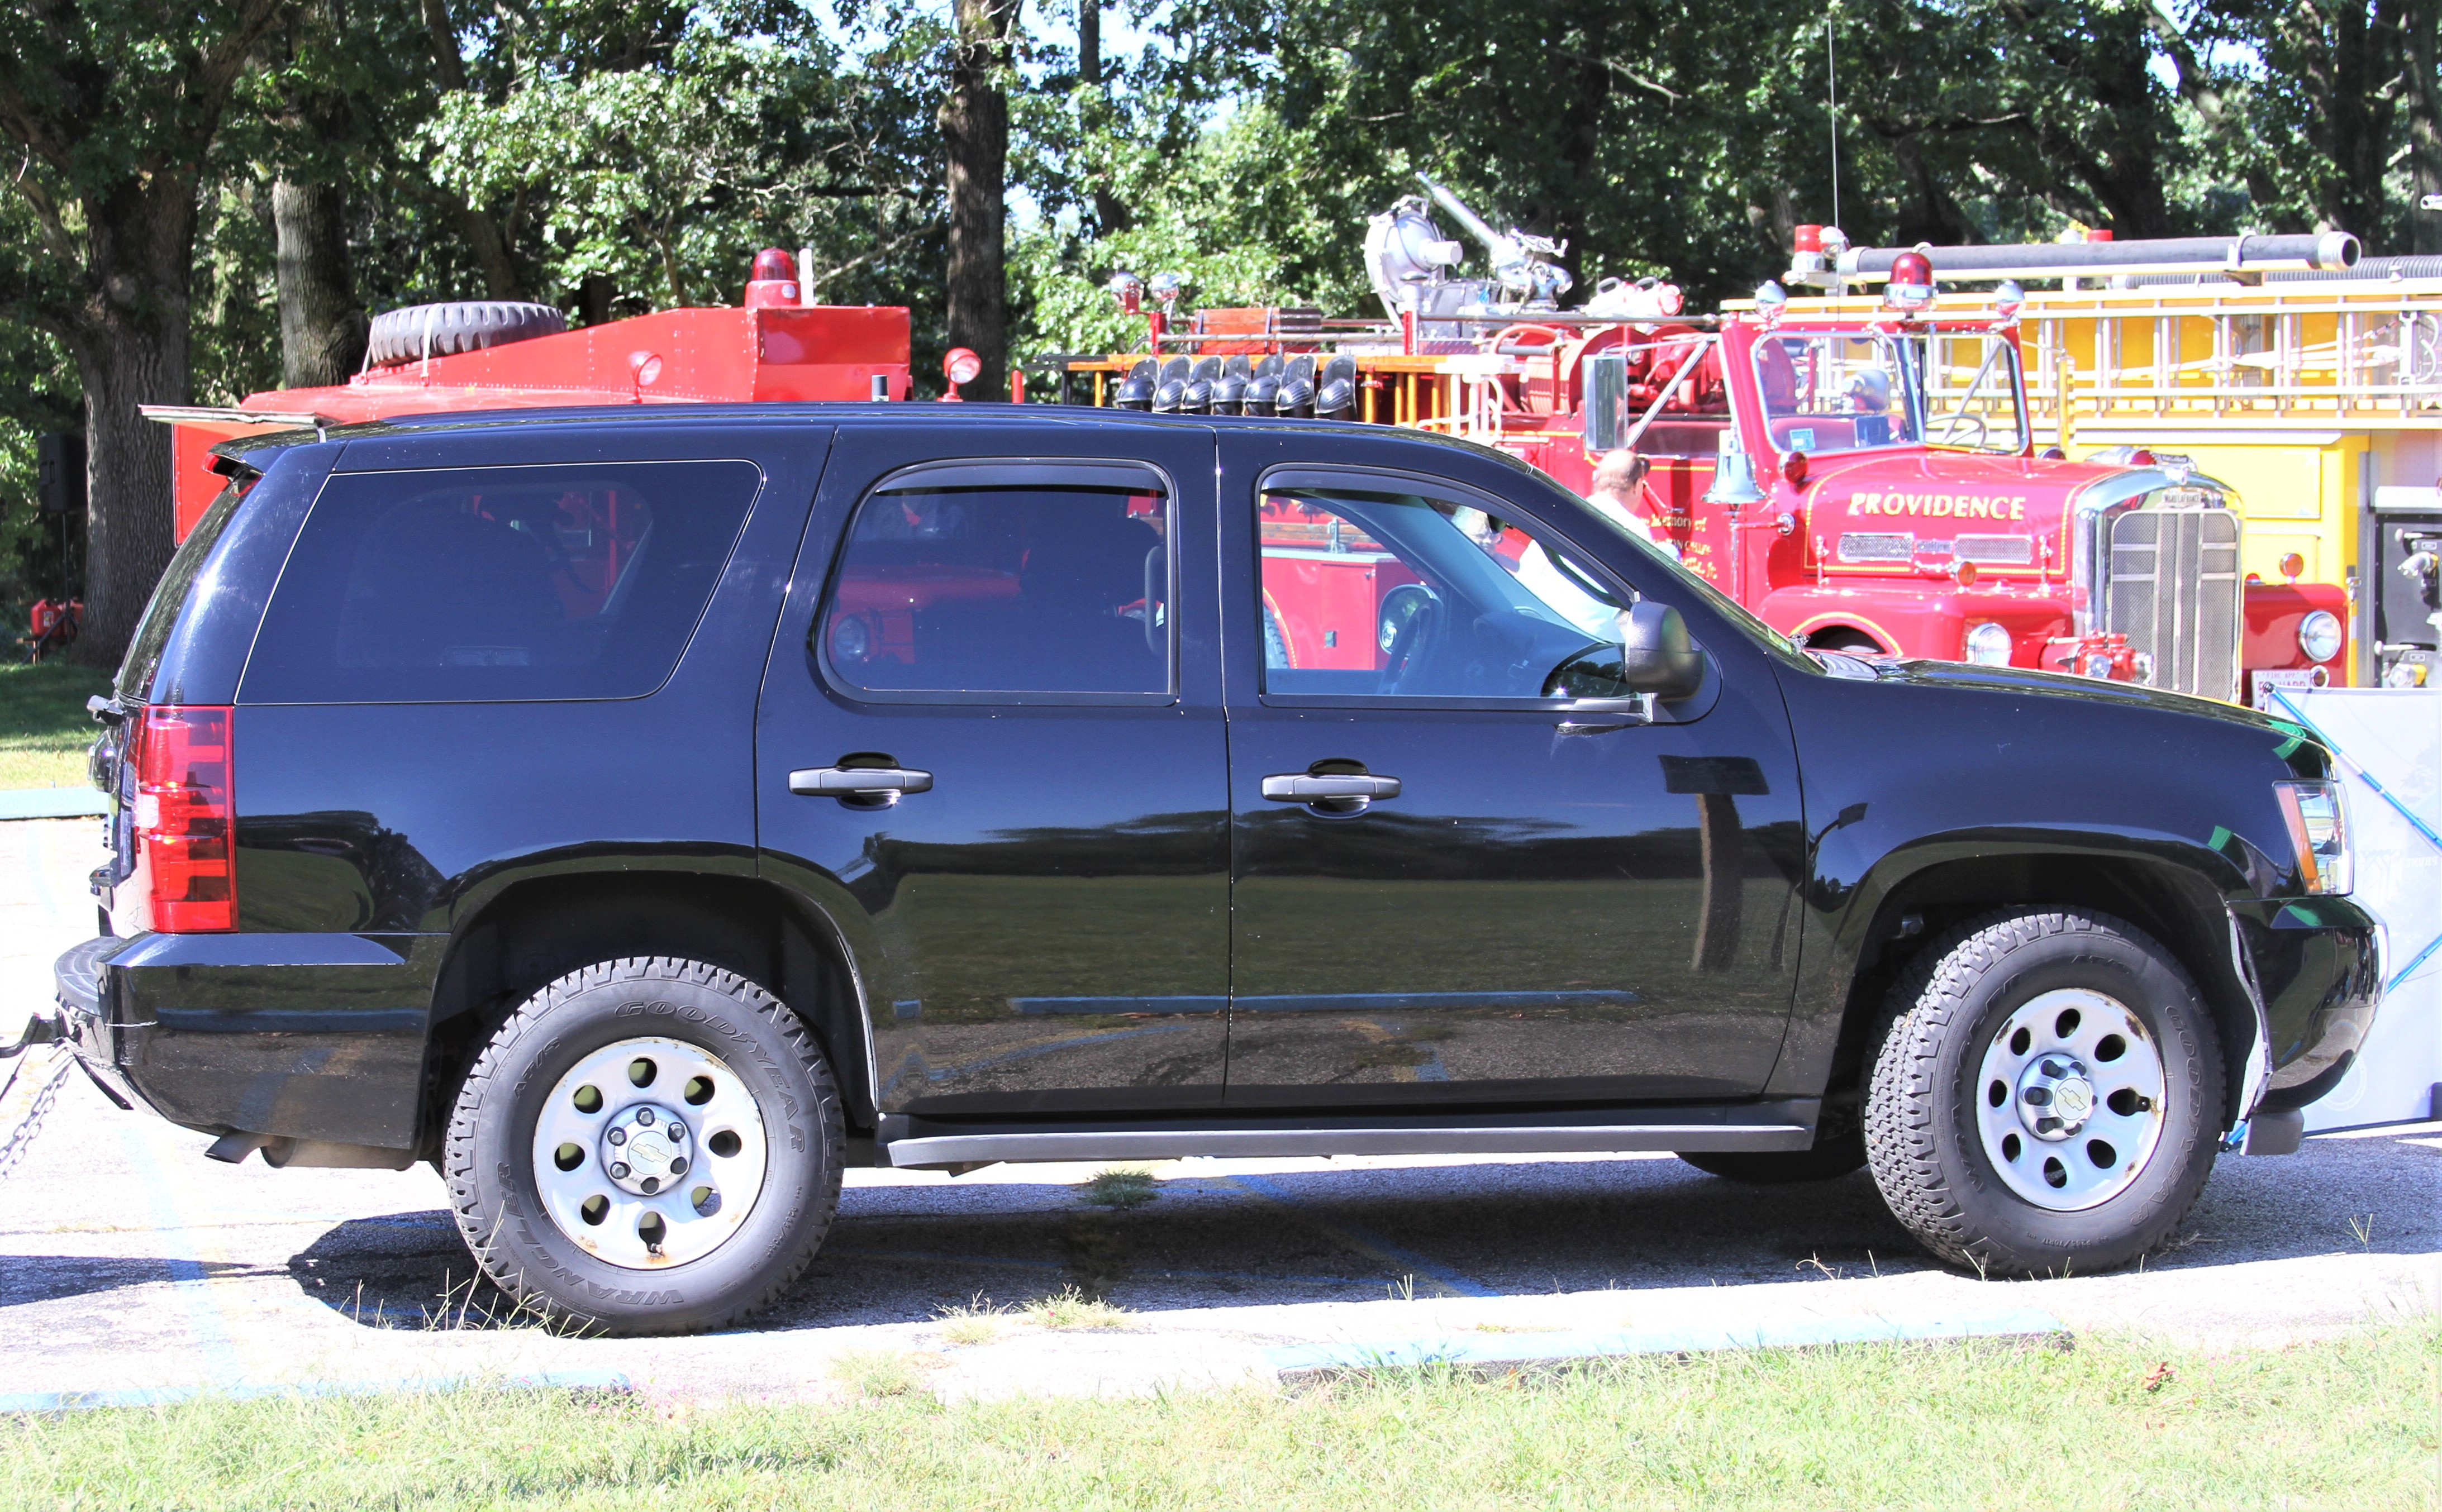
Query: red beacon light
point(774, 280)
point(961, 366)
point(1910, 288)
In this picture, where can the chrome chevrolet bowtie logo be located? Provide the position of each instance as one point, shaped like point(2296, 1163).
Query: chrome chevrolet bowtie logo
point(2073, 1098)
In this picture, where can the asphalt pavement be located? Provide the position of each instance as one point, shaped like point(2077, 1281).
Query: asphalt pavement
point(134, 1264)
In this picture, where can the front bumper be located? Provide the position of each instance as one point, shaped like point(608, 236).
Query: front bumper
point(2316, 967)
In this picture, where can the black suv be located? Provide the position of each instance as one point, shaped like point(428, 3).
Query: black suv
point(643, 814)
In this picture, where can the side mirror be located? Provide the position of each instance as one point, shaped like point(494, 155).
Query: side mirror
point(1656, 657)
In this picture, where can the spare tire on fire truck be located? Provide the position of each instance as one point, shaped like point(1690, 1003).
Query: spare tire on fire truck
point(421, 331)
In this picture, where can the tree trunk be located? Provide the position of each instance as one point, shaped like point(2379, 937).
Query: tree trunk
point(975, 128)
point(2423, 106)
point(322, 328)
point(1089, 41)
point(129, 338)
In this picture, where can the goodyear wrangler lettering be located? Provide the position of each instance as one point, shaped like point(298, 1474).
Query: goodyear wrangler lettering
point(1953, 506)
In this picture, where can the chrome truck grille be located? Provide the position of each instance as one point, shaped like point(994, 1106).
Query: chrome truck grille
point(2174, 591)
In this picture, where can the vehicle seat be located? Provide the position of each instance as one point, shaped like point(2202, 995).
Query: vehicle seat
point(435, 587)
point(1079, 576)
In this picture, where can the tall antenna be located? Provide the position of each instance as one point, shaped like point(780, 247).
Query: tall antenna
point(1831, 91)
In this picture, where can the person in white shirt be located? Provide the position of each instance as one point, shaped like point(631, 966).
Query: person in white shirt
point(1619, 477)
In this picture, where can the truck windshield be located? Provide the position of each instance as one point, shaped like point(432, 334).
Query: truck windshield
point(1834, 392)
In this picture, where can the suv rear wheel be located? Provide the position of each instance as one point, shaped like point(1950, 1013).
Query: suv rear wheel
point(646, 1146)
point(2046, 1096)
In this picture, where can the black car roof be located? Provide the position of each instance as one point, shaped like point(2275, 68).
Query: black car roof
point(258, 452)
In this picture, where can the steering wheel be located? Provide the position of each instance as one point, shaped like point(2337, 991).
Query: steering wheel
point(1957, 422)
point(1411, 614)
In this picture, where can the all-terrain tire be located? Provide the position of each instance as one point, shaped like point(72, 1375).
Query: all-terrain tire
point(489, 1158)
point(1923, 1137)
point(1826, 1161)
point(420, 331)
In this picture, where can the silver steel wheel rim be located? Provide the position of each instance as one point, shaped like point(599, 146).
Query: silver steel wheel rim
point(626, 1186)
point(2070, 1101)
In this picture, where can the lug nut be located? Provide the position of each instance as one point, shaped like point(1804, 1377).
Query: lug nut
point(618, 1170)
point(651, 1185)
point(618, 1136)
point(678, 1167)
point(645, 1116)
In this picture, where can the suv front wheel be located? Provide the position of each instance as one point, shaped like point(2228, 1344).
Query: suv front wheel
point(646, 1146)
point(2046, 1099)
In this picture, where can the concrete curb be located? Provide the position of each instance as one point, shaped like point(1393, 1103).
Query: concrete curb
point(52, 803)
point(1302, 1361)
point(564, 1380)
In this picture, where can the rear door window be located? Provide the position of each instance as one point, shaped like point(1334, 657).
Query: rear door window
point(498, 583)
point(948, 591)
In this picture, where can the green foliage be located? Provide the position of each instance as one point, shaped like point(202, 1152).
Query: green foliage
point(1221, 213)
point(44, 726)
point(663, 174)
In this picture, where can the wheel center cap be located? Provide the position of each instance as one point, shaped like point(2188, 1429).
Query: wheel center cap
point(2074, 1099)
point(2054, 1097)
point(645, 1149)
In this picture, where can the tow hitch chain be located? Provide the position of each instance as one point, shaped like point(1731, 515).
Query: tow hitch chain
point(17, 1134)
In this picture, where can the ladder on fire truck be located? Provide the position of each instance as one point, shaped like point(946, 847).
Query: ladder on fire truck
point(2292, 351)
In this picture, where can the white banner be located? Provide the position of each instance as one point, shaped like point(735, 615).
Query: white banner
point(2390, 743)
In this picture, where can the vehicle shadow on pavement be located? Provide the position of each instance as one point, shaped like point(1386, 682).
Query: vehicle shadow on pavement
point(406, 1270)
point(23, 1284)
point(902, 1253)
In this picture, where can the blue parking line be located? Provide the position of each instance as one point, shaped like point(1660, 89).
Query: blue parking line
point(189, 1279)
point(596, 1380)
point(1521, 1349)
point(1373, 1243)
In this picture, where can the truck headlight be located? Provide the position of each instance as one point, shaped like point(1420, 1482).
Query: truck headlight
point(1988, 644)
point(2319, 831)
point(2319, 635)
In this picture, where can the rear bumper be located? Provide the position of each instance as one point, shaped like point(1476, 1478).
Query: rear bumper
point(105, 1043)
point(2315, 965)
point(303, 1036)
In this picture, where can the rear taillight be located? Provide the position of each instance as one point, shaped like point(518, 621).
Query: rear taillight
point(185, 876)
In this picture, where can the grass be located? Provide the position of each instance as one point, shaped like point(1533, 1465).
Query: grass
point(43, 727)
point(1071, 1310)
point(975, 1322)
point(2344, 1422)
point(1121, 1187)
point(880, 1372)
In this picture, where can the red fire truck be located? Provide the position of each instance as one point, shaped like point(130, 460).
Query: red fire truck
point(1868, 484)
point(499, 356)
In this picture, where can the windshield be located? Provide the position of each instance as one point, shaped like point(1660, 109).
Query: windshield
point(1854, 391)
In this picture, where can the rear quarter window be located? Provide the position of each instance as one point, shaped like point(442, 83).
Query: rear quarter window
point(484, 585)
point(134, 681)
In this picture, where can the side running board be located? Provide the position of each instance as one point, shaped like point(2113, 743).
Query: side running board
point(910, 1143)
